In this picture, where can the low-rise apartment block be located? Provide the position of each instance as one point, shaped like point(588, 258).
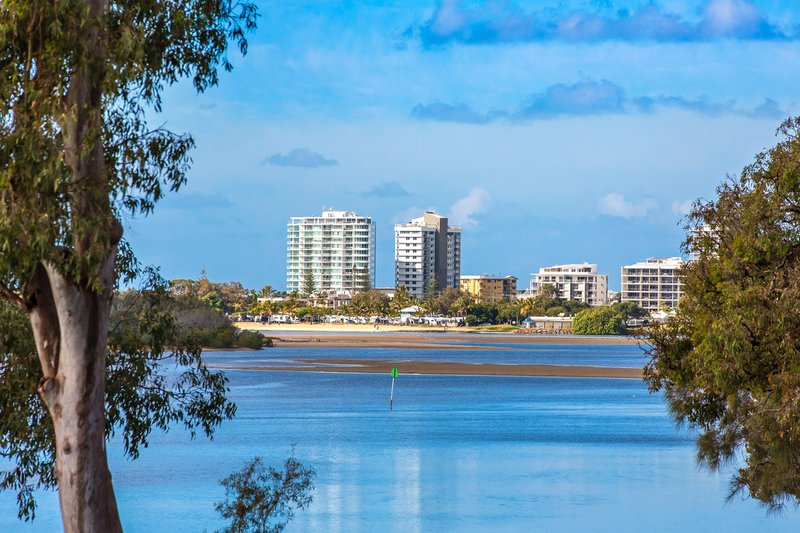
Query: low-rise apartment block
point(490, 288)
point(579, 282)
point(653, 284)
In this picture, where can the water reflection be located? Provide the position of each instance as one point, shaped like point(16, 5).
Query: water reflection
point(406, 503)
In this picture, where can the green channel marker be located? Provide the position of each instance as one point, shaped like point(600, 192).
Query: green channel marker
point(394, 374)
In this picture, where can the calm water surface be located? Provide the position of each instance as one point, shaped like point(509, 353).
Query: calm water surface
point(458, 453)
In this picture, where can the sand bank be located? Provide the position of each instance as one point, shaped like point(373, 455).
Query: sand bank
point(371, 366)
point(343, 328)
point(435, 341)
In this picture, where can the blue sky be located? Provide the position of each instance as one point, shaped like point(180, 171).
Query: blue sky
point(554, 131)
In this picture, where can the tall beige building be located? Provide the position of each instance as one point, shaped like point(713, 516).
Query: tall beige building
point(427, 248)
point(653, 284)
point(337, 248)
point(579, 282)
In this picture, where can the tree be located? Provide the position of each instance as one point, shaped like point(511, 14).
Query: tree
point(431, 289)
point(527, 307)
point(145, 337)
point(266, 291)
point(362, 281)
point(263, 500)
point(371, 302)
point(290, 304)
point(549, 292)
point(461, 305)
point(309, 287)
point(729, 362)
point(629, 310)
point(77, 155)
point(601, 320)
point(402, 299)
point(442, 303)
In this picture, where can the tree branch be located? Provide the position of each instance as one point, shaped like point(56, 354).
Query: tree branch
point(11, 297)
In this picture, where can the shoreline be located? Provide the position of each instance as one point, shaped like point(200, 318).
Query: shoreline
point(377, 366)
point(366, 335)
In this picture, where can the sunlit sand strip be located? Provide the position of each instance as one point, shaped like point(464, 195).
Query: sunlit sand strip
point(378, 343)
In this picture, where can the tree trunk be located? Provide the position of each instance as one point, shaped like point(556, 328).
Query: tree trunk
point(70, 314)
point(70, 324)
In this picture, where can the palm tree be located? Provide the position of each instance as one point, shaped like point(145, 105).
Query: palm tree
point(527, 307)
point(402, 299)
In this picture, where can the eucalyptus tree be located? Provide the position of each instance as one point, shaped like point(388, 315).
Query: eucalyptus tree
point(77, 155)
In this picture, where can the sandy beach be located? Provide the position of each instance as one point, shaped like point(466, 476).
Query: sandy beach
point(345, 328)
point(373, 366)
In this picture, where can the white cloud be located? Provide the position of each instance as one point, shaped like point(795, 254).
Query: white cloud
point(682, 208)
point(615, 205)
point(476, 202)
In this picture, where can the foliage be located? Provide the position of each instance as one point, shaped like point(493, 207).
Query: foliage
point(26, 433)
point(50, 50)
point(155, 377)
point(310, 313)
point(729, 363)
point(253, 340)
point(441, 303)
point(629, 311)
point(309, 286)
point(600, 320)
point(77, 80)
point(606, 320)
point(370, 302)
point(362, 281)
point(402, 299)
point(263, 500)
point(195, 316)
point(431, 289)
point(230, 297)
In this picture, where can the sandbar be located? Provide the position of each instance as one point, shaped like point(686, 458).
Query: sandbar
point(437, 341)
point(375, 366)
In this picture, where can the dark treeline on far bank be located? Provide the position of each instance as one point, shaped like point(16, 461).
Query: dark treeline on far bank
point(201, 309)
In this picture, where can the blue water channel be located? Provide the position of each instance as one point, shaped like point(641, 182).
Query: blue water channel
point(458, 453)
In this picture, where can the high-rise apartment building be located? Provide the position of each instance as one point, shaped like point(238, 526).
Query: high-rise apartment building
point(427, 248)
point(653, 284)
point(336, 248)
point(579, 282)
point(490, 288)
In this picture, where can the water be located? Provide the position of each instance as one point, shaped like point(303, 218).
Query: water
point(460, 453)
point(602, 355)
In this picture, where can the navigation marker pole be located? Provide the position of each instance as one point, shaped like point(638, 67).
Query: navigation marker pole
point(393, 373)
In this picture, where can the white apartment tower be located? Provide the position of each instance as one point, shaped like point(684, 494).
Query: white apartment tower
point(653, 284)
point(425, 248)
point(337, 248)
point(579, 282)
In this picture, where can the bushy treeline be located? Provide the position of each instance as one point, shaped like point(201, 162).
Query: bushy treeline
point(197, 299)
point(606, 320)
point(198, 318)
point(450, 302)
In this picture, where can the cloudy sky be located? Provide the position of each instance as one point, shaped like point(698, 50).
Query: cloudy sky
point(554, 131)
